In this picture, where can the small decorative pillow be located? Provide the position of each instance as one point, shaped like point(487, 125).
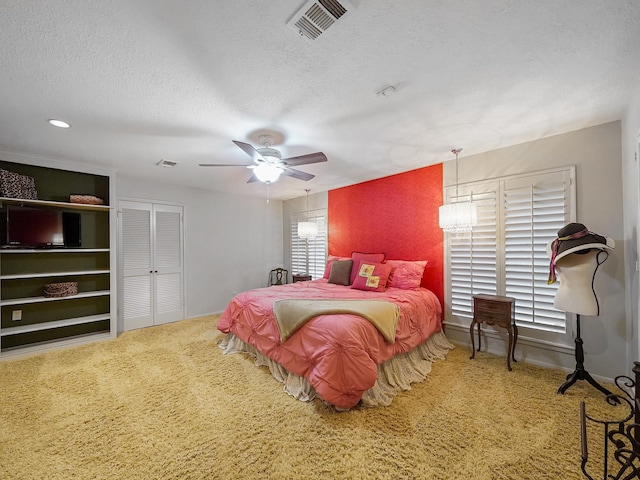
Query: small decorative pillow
point(405, 274)
point(330, 259)
point(359, 257)
point(341, 272)
point(372, 276)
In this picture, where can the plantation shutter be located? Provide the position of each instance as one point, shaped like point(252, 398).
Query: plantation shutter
point(535, 208)
point(473, 254)
point(505, 254)
point(309, 255)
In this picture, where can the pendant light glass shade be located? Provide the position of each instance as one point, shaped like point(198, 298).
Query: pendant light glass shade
point(267, 172)
point(458, 217)
point(307, 229)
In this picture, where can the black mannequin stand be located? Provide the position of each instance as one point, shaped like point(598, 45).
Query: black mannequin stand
point(580, 373)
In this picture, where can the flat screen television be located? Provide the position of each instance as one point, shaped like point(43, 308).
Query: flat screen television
point(36, 227)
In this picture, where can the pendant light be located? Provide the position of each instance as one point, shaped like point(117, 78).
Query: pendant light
point(307, 229)
point(458, 217)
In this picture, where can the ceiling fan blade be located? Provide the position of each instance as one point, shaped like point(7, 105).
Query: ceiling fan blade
point(305, 159)
point(253, 179)
point(226, 164)
point(249, 150)
point(297, 174)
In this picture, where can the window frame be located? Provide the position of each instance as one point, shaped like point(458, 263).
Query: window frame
point(462, 318)
point(318, 246)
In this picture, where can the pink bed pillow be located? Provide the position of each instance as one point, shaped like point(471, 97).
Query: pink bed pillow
point(359, 257)
point(406, 274)
point(330, 259)
point(372, 276)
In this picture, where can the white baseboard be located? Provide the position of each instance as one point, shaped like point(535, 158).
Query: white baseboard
point(528, 350)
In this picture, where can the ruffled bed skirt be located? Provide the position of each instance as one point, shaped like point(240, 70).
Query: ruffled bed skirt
point(394, 375)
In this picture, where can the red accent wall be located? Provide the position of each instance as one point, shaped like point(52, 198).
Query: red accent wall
point(397, 215)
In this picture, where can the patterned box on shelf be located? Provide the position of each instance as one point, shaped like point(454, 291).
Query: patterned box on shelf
point(63, 289)
point(14, 185)
point(86, 199)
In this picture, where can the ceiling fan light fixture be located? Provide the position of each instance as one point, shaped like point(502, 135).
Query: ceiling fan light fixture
point(267, 173)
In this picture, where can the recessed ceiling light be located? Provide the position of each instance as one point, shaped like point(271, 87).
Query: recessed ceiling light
point(59, 123)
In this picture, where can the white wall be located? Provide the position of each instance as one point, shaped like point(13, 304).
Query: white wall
point(231, 241)
point(631, 188)
point(596, 153)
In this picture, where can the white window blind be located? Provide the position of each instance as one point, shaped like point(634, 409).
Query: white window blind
point(309, 255)
point(505, 254)
point(535, 208)
point(473, 254)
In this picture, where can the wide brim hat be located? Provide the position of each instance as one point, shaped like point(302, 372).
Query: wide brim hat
point(583, 243)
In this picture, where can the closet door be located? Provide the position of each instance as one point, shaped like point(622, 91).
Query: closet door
point(152, 264)
point(137, 269)
point(167, 269)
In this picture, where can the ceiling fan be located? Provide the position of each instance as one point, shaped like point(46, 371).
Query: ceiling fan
point(268, 163)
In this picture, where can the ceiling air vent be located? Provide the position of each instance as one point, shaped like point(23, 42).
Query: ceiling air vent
point(166, 163)
point(316, 16)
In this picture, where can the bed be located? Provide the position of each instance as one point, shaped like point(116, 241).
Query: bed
point(341, 357)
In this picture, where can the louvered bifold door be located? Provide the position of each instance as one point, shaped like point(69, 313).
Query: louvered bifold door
point(168, 273)
point(135, 225)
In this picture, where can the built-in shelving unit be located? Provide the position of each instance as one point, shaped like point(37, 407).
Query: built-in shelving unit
point(47, 203)
point(31, 321)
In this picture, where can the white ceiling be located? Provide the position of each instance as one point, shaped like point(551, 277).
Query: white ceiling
point(143, 80)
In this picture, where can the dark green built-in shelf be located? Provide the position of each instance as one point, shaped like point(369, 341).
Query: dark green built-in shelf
point(47, 336)
point(57, 185)
point(24, 273)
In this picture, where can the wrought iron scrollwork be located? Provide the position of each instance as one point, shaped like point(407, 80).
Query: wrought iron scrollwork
point(621, 436)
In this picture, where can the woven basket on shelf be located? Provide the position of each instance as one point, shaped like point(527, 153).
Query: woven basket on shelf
point(63, 289)
point(86, 199)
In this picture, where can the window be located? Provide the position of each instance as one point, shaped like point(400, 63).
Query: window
point(309, 255)
point(505, 254)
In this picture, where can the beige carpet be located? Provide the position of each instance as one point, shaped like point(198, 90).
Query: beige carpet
point(165, 403)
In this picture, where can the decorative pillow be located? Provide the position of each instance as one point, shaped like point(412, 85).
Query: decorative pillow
point(341, 272)
point(359, 257)
point(330, 259)
point(405, 274)
point(372, 276)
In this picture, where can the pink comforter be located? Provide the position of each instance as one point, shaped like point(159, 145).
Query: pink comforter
point(338, 354)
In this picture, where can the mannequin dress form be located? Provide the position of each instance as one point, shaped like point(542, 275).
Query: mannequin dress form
point(576, 294)
point(575, 273)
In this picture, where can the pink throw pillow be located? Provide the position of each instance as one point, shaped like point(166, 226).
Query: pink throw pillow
point(372, 276)
point(359, 257)
point(406, 274)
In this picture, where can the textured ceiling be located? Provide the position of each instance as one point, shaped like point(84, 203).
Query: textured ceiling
point(143, 80)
